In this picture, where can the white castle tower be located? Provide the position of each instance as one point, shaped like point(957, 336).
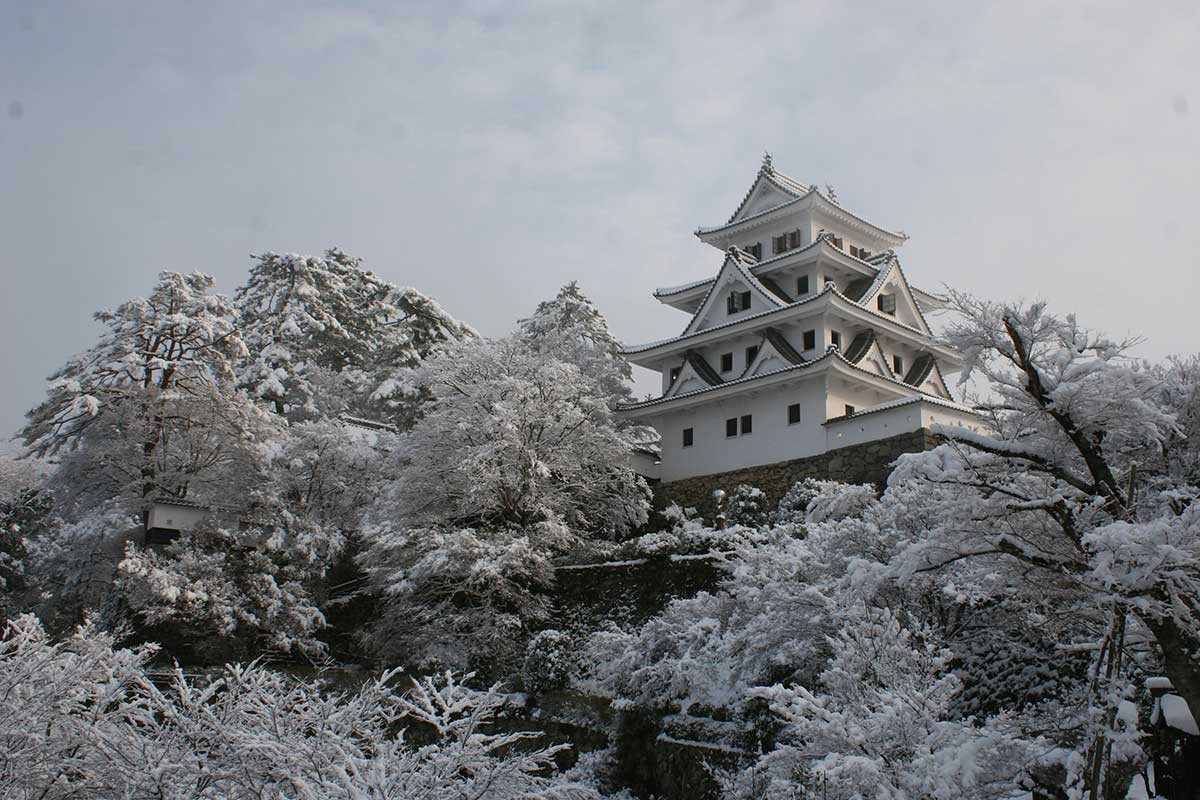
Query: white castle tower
point(808, 339)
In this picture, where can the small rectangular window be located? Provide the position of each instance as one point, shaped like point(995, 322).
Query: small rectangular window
point(854, 251)
point(755, 250)
point(898, 365)
point(793, 413)
point(674, 374)
point(802, 284)
point(745, 300)
point(810, 340)
point(731, 304)
point(747, 424)
point(887, 304)
point(835, 338)
point(751, 354)
point(726, 362)
point(687, 437)
point(731, 427)
point(849, 409)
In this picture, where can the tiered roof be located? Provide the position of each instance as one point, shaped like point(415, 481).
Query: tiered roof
point(776, 358)
point(791, 192)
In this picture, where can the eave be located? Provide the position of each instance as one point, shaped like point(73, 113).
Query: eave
point(648, 355)
point(676, 296)
point(720, 235)
point(832, 360)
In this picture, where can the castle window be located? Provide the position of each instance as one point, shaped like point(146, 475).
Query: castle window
point(727, 362)
point(802, 284)
point(854, 251)
point(849, 409)
point(835, 338)
point(737, 301)
point(687, 437)
point(810, 340)
point(793, 413)
point(898, 365)
point(755, 250)
point(751, 354)
point(747, 424)
point(731, 427)
point(788, 241)
point(887, 304)
point(674, 376)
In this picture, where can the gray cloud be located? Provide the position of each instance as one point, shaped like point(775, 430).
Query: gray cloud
point(489, 152)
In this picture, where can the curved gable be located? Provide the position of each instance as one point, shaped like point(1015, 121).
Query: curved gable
point(734, 277)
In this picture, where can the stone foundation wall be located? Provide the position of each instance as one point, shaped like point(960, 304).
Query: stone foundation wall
point(869, 462)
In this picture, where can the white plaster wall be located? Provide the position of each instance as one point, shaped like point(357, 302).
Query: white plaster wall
point(838, 395)
point(891, 422)
point(773, 438)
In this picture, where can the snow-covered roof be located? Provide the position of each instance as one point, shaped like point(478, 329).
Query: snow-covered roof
point(651, 345)
point(740, 262)
point(795, 191)
point(733, 382)
point(831, 353)
point(787, 185)
point(875, 265)
point(904, 401)
point(828, 289)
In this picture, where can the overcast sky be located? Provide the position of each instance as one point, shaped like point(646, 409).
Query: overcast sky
point(487, 153)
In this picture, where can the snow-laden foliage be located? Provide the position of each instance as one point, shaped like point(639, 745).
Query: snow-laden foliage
point(223, 589)
point(880, 725)
point(457, 597)
point(82, 718)
point(159, 384)
point(25, 506)
point(1179, 393)
point(549, 661)
point(515, 459)
point(570, 328)
point(326, 337)
point(928, 687)
point(768, 619)
point(748, 507)
point(166, 420)
point(1069, 495)
point(513, 438)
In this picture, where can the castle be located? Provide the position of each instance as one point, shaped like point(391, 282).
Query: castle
point(808, 340)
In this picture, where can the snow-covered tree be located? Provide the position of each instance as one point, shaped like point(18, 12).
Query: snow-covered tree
point(25, 506)
point(159, 383)
point(748, 506)
point(326, 337)
point(1066, 495)
point(881, 725)
point(515, 459)
point(572, 329)
point(82, 718)
point(513, 438)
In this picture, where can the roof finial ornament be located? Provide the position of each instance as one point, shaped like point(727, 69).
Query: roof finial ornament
point(767, 165)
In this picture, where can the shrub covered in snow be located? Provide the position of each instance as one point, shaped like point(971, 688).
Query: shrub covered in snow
point(549, 661)
point(748, 507)
point(82, 718)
